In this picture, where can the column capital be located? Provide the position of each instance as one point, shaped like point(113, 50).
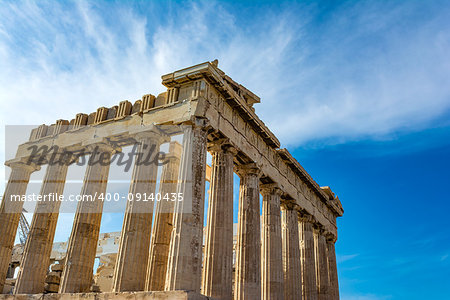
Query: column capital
point(196, 123)
point(289, 205)
point(270, 188)
point(319, 228)
point(223, 144)
point(156, 135)
point(305, 217)
point(200, 122)
point(247, 169)
point(102, 144)
point(20, 164)
point(331, 238)
point(151, 131)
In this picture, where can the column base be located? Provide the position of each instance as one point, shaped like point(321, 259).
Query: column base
point(175, 295)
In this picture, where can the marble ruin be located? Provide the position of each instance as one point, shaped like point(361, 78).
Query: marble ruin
point(286, 251)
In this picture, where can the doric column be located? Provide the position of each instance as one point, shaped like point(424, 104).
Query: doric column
point(185, 254)
point(218, 258)
point(10, 211)
point(162, 225)
point(332, 268)
point(272, 285)
point(309, 287)
point(248, 248)
point(79, 262)
point(131, 264)
point(291, 253)
point(320, 246)
point(36, 255)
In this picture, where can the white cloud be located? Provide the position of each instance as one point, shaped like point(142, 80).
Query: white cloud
point(356, 77)
point(343, 258)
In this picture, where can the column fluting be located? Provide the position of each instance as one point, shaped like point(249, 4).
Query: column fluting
point(162, 227)
point(79, 262)
point(36, 255)
point(291, 253)
point(272, 285)
point(131, 264)
point(247, 283)
point(320, 246)
point(332, 268)
point(10, 212)
point(218, 258)
point(309, 287)
point(184, 271)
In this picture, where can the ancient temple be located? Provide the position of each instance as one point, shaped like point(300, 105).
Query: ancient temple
point(286, 251)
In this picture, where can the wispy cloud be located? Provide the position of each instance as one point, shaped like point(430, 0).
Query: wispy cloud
point(343, 258)
point(367, 71)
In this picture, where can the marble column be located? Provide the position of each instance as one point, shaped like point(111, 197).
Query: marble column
point(247, 283)
point(80, 257)
point(320, 246)
point(162, 227)
point(218, 258)
point(291, 253)
point(272, 285)
point(332, 268)
point(185, 254)
point(309, 287)
point(131, 264)
point(36, 255)
point(10, 212)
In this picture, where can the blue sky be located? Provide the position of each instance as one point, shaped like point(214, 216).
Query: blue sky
point(358, 91)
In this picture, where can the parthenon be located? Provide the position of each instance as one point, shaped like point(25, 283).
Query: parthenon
point(285, 248)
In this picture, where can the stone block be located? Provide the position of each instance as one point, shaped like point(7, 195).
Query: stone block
point(166, 295)
point(51, 287)
point(57, 267)
point(136, 107)
point(53, 277)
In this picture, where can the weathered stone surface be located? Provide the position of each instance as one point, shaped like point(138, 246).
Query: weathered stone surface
point(172, 295)
point(162, 227)
point(9, 286)
point(272, 259)
point(247, 283)
point(309, 287)
point(185, 254)
point(51, 287)
point(57, 267)
point(36, 257)
point(332, 268)
point(10, 212)
point(218, 258)
point(52, 277)
point(77, 274)
point(291, 254)
point(133, 253)
point(321, 264)
point(103, 278)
